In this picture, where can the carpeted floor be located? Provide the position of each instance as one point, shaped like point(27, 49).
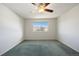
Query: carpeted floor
point(41, 48)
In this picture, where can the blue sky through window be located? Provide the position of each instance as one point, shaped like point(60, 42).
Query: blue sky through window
point(40, 24)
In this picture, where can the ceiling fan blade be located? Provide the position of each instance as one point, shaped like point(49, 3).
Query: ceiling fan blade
point(48, 10)
point(33, 3)
point(46, 4)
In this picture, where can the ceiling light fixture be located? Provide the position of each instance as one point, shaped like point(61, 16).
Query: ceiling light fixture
point(41, 7)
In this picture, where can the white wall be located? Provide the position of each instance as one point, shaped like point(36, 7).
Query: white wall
point(50, 35)
point(11, 29)
point(68, 28)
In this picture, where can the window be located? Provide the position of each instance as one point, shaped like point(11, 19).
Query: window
point(40, 26)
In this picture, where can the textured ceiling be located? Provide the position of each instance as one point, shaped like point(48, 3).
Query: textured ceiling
point(27, 10)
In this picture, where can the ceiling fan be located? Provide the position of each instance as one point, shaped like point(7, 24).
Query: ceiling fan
point(42, 7)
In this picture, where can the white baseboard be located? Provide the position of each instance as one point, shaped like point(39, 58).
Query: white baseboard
point(68, 45)
point(39, 39)
point(14, 44)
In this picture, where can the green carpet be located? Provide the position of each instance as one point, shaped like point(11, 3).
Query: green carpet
point(41, 48)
